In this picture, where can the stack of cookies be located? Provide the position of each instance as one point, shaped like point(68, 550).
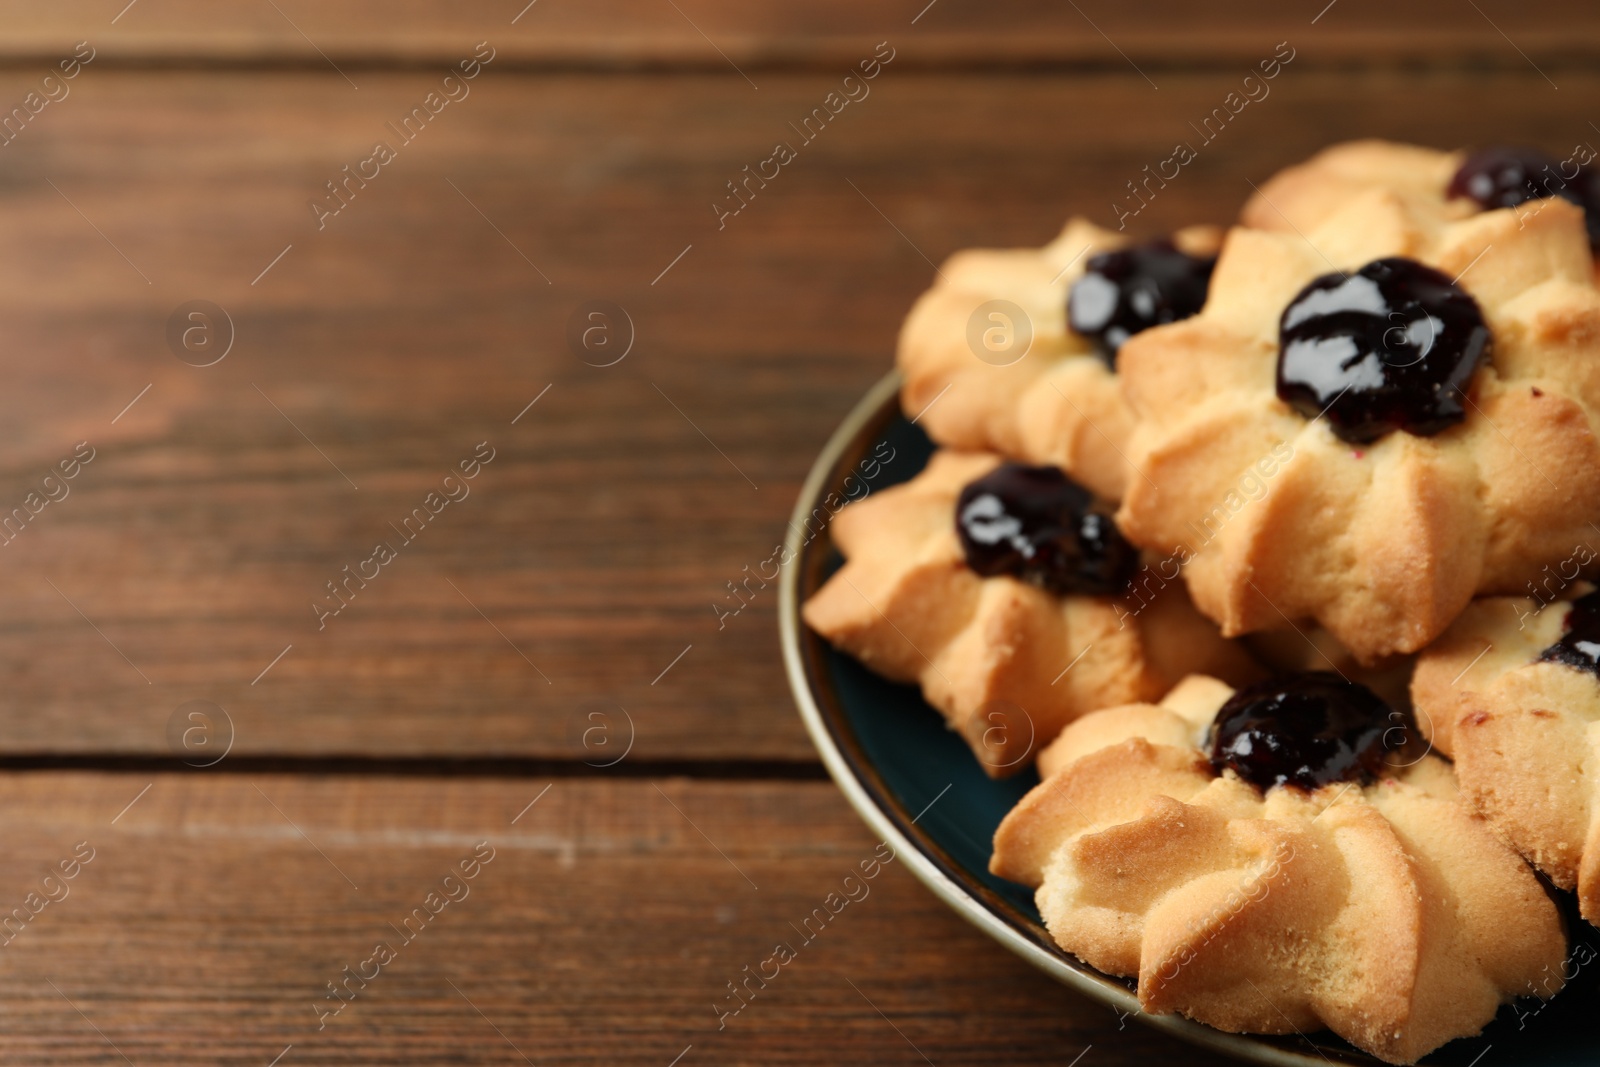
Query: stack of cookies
point(1268, 548)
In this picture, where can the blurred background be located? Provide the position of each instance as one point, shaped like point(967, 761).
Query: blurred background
point(283, 282)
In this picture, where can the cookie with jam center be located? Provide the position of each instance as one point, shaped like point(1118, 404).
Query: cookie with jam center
point(1008, 596)
point(1451, 185)
point(1339, 882)
point(1381, 412)
point(1012, 350)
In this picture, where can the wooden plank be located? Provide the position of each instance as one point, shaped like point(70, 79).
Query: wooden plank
point(712, 34)
point(383, 348)
point(216, 910)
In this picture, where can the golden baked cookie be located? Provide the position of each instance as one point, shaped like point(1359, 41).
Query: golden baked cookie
point(1373, 419)
point(1006, 661)
point(1450, 185)
point(1303, 197)
point(1511, 693)
point(1377, 907)
point(989, 362)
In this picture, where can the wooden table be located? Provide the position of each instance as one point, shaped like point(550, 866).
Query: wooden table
point(464, 698)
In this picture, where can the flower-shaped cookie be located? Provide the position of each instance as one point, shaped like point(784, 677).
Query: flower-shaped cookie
point(1305, 196)
point(1449, 185)
point(1007, 662)
point(1378, 908)
point(990, 363)
point(1459, 456)
point(1511, 693)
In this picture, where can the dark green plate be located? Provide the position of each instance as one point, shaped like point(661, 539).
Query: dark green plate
point(918, 786)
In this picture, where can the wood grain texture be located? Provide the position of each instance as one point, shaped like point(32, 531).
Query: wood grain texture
point(379, 351)
point(216, 909)
point(717, 34)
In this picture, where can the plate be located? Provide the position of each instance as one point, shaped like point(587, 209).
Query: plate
point(918, 787)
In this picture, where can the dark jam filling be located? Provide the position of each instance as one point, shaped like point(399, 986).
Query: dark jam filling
point(1392, 346)
point(1133, 289)
point(1307, 730)
point(1506, 177)
point(1580, 646)
point(1036, 524)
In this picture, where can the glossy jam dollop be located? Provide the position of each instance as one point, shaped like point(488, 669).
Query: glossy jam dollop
point(1580, 645)
point(1133, 289)
point(1036, 524)
point(1391, 346)
point(1506, 177)
point(1306, 730)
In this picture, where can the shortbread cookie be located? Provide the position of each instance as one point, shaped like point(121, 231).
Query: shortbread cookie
point(990, 362)
point(1276, 861)
point(1305, 196)
point(1512, 693)
point(1373, 420)
point(1056, 624)
point(1451, 184)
